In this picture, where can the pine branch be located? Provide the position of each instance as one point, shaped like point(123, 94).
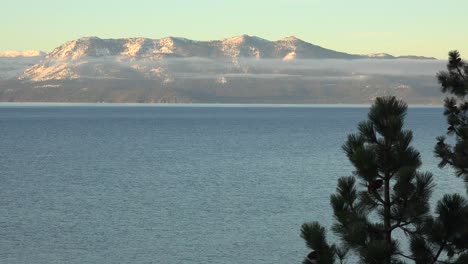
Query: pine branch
point(460, 73)
point(405, 256)
point(443, 262)
point(458, 133)
point(406, 230)
point(401, 225)
point(442, 246)
point(379, 198)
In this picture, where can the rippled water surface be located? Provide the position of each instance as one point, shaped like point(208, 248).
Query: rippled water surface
point(176, 184)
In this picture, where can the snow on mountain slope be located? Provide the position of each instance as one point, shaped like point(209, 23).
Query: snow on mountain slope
point(380, 56)
point(305, 50)
point(131, 48)
point(143, 58)
point(235, 47)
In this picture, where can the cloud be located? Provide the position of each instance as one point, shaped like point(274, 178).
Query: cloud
point(399, 67)
point(17, 53)
point(308, 69)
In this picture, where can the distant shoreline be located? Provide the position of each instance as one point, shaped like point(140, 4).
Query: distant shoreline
point(228, 105)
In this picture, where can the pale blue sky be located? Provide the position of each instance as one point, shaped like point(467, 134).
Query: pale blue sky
point(417, 27)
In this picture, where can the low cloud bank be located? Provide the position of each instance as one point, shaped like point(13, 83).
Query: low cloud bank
point(202, 68)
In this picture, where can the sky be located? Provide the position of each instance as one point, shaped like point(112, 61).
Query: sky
point(398, 27)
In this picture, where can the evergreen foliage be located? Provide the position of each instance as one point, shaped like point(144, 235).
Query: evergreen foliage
point(455, 82)
point(450, 228)
point(393, 195)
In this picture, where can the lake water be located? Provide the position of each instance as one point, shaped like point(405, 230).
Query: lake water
point(177, 184)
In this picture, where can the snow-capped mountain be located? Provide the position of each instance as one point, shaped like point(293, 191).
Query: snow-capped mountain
point(389, 56)
point(93, 57)
point(234, 70)
point(235, 47)
point(380, 56)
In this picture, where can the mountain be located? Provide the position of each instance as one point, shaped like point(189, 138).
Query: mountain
point(92, 57)
point(238, 69)
point(243, 46)
point(171, 47)
point(17, 53)
point(388, 56)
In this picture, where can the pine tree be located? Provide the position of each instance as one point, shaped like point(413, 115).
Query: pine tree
point(449, 230)
point(392, 194)
point(455, 81)
point(396, 197)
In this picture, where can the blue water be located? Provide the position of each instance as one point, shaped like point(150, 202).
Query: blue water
point(176, 184)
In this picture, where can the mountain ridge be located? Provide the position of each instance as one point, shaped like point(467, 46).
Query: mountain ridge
point(240, 69)
point(233, 47)
point(131, 56)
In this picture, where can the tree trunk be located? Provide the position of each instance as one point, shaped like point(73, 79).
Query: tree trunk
point(387, 204)
point(387, 223)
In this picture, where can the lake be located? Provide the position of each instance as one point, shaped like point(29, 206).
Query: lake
point(177, 183)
